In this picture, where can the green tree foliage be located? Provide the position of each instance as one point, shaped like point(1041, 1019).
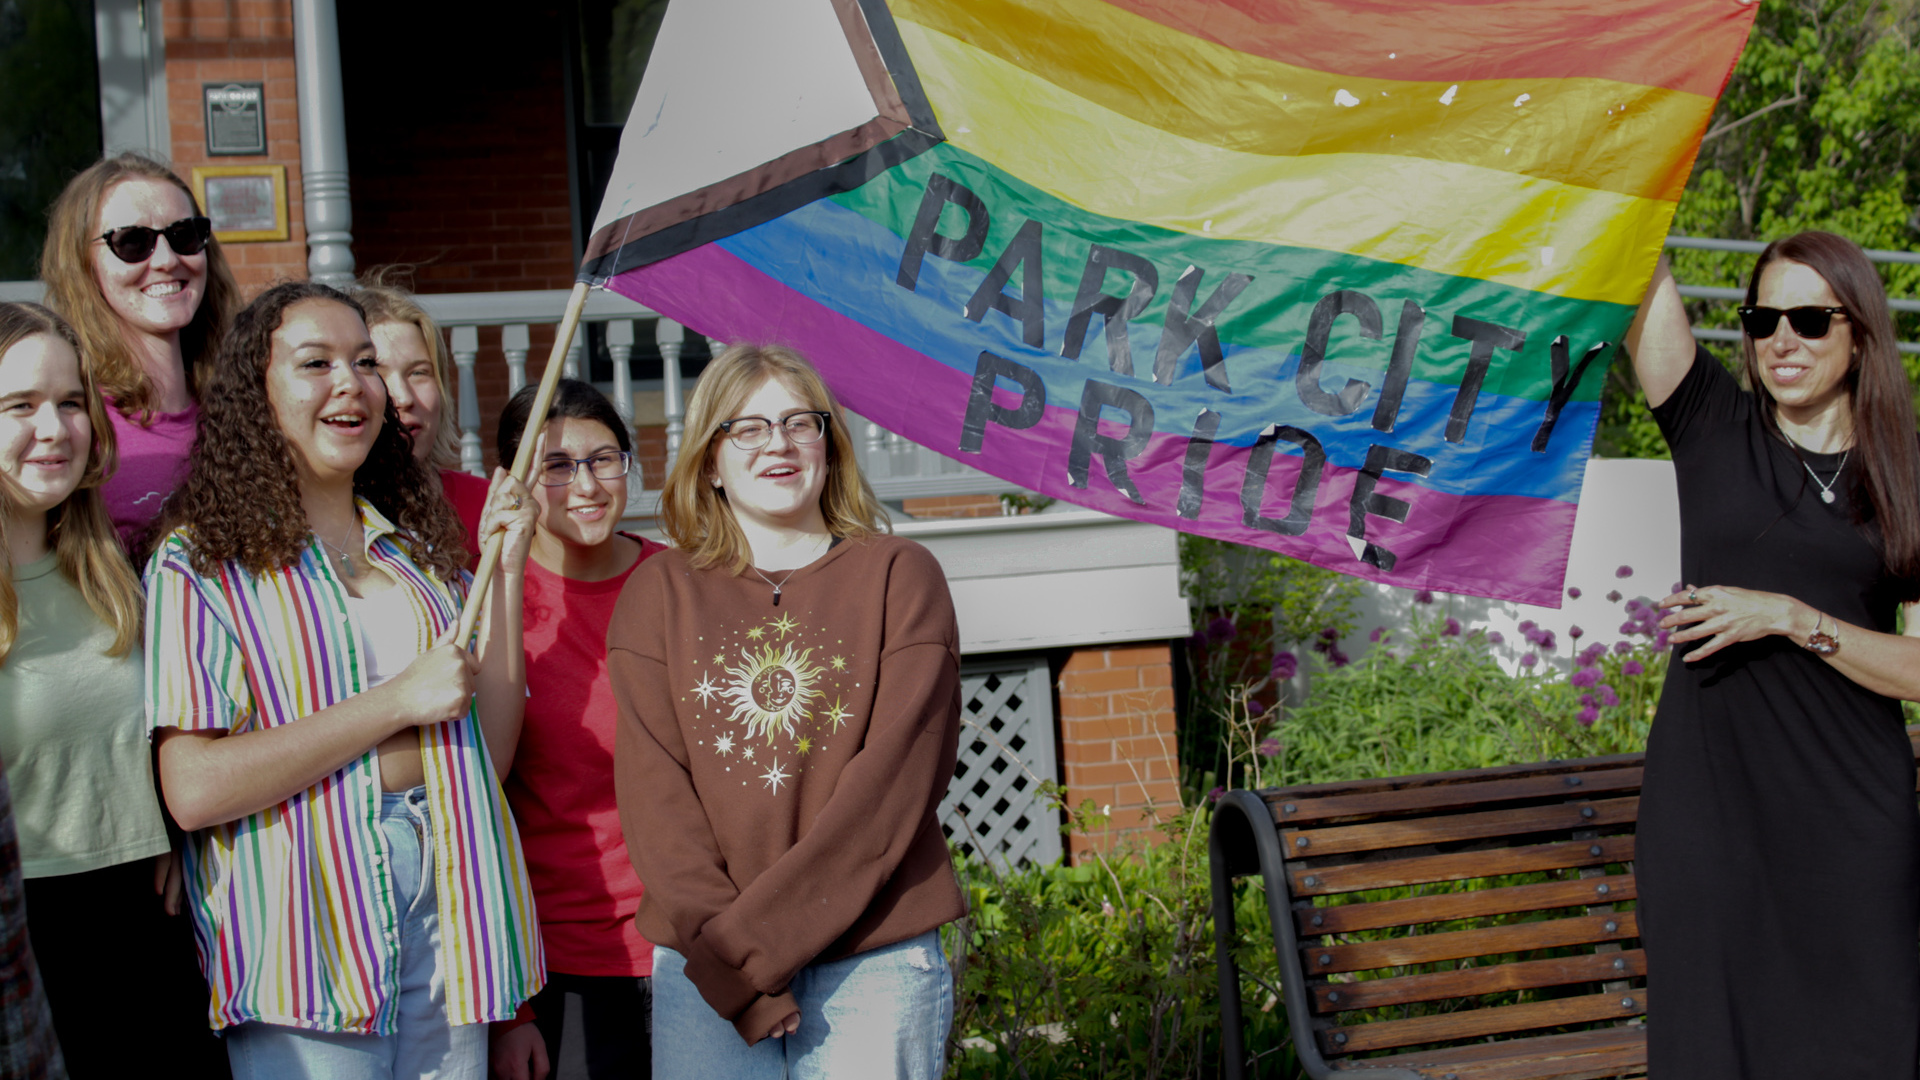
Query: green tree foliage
point(1819, 128)
point(49, 118)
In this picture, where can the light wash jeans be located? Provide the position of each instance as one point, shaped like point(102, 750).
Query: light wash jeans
point(880, 1015)
point(425, 1047)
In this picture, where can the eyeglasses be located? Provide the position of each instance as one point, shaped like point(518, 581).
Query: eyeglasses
point(134, 243)
point(754, 432)
point(559, 472)
point(1809, 322)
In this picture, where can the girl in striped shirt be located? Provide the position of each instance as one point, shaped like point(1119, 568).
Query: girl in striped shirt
point(356, 881)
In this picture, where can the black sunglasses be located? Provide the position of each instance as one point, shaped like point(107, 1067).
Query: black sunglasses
point(134, 243)
point(1808, 322)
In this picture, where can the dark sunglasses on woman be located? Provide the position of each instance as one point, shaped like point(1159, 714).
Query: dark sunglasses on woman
point(135, 243)
point(1809, 322)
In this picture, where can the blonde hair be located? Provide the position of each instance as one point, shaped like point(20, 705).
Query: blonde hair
point(66, 265)
point(695, 513)
point(385, 300)
point(79, 529)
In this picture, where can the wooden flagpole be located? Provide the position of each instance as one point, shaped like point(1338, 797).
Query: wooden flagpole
point(523, 459)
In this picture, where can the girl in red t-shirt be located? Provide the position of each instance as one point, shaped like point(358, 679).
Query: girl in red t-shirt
point(561, 786)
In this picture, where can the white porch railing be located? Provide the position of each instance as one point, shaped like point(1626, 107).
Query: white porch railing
point(897, 468)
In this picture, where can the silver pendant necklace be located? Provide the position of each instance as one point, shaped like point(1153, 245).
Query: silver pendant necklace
point(346, 561)
point(1826, 486)
point(776, 584)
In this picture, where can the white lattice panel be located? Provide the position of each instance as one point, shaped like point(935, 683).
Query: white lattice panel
point(993, 806)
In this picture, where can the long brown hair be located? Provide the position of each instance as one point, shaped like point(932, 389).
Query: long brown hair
point(79, 529)
point(241, 499)
point(66, 265)
point(387, 301)
point(1878, 392)
point(695, 513)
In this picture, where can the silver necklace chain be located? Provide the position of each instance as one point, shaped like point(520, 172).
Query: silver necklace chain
point(776, 584)
point(1826, 486)
point(346, 561)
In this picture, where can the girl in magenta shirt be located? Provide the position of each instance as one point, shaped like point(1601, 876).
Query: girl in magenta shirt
point(132, 263)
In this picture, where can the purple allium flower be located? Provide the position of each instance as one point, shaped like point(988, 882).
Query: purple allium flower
point(1221, 629)
point(1337, 658)
point(1586, 699)
point(1586, 676)
point(1625, 571)
point(1424, 596)
point(1495, 637)
point(1379, 632)
point(1635, 607)
point(1545, 641)
point(1575, 632)
point(1529, 660)
point(1330, 634)
point(1591, 655)
point(1613, 597)
point(1588, 715)
point(1285, 664)
point(1214, 795)
point(1452, 628)
point(1607, 697)
point(1573, 593)
point(1528, 627)
point(1197, 639)
point(1255, 708)
point(1622, 648)
point(1678, 586)
point(1660, 640)
point(1269, 747)
point(1632, 667)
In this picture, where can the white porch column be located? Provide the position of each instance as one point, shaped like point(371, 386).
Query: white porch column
point(323, 142)
point(671, 337)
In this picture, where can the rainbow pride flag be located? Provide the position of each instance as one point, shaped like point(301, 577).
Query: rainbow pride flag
point(1339, 279)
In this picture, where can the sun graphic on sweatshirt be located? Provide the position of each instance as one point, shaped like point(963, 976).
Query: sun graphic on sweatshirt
point(771, 688)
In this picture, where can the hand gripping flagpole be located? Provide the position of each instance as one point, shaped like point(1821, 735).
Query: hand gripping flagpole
point(523, 459)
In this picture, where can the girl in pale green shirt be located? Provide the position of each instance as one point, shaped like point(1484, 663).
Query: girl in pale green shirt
point(119, 971)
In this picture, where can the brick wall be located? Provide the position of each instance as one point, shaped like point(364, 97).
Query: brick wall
point(1117, 743)
point(457, 144)
point(239, 41)
point(953, 506)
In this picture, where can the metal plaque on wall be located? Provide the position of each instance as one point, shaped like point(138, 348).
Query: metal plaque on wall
point(236, 117)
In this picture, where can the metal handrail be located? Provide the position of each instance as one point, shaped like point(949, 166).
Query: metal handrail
point(1754, 247)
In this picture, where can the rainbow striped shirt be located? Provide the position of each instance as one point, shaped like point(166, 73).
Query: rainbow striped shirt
point(296, 923)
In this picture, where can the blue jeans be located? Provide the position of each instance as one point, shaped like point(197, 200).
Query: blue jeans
point(425, 1047)
point(880, 1015)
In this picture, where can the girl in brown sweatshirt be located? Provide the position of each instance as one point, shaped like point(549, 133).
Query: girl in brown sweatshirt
point(788, 690)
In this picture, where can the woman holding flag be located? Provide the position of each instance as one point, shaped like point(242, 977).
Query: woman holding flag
point(1779, 752)
point(355, 880)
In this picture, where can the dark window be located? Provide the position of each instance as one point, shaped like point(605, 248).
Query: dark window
point(612, 40)
point(49, 118)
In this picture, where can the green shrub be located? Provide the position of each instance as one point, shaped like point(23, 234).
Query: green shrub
point(1105, 969)
point(1440, 701)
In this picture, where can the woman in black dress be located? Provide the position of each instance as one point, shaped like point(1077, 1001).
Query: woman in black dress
point(1779, 768)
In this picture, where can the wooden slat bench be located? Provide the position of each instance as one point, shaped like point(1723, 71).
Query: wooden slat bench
point(1450, 926)
point(1453, 926)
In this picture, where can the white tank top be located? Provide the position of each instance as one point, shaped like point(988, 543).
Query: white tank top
point(390, 633)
